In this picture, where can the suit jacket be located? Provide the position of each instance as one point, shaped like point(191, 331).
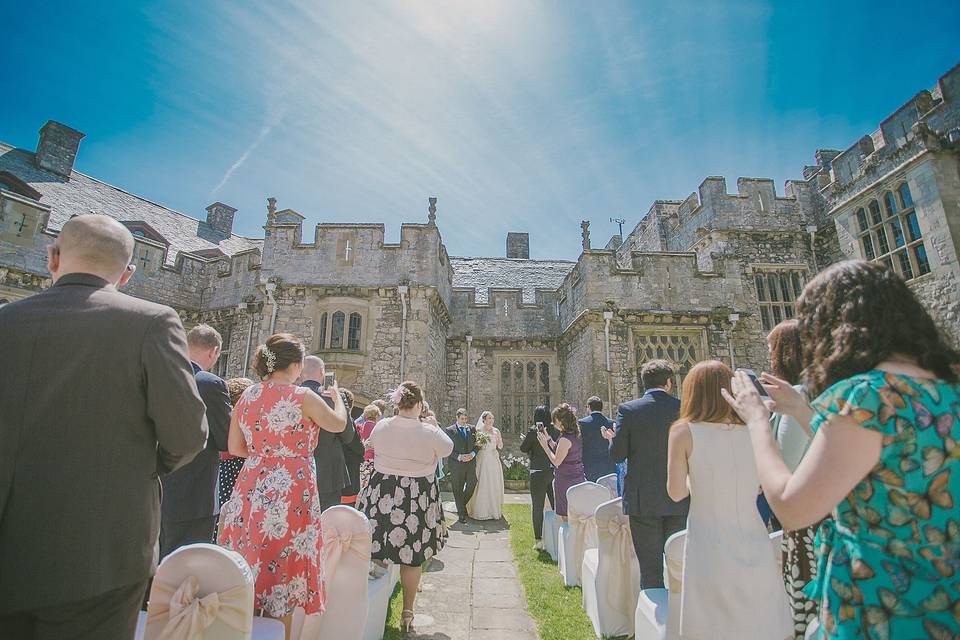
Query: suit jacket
point(461, 446)
point(190, 492)
point(97, 399)
point(596, 448)
point(641, 439)
point(332, 473)
point(531, 446)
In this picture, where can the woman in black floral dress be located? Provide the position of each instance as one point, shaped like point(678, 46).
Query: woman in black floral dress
point(402, 499)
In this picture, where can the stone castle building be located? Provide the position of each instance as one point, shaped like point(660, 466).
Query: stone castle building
point(705, 276)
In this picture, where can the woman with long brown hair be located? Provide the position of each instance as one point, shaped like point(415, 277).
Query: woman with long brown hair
point(731, 584)
point(565, 453)
point(884, 458)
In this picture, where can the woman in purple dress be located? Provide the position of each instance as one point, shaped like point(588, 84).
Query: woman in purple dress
point(566, 454)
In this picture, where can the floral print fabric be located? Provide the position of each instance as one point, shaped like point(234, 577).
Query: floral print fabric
point(406, 518)
point(889, 564)
point(273, 517)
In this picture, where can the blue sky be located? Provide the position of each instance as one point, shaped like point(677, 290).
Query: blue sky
point(518, 116)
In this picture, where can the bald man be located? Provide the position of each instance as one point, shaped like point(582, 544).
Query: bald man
point(332, 472)
point(98, 398)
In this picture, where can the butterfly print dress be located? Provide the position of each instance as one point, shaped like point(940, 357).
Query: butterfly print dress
point(889, 564)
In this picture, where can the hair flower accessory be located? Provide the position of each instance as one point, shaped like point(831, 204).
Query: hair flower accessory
point(271, 359)
point(396, 395)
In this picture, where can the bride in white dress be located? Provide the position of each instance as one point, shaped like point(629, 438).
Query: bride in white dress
point(487, 500)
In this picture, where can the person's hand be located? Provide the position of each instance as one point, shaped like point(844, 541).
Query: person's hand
point(785, 398)
point(542, 437)
point(746, 401)
point(607, 433)
point(332, 392)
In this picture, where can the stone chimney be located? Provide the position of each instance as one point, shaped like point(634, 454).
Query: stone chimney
point(518, 245)
point(220, 217)
point(57, 149)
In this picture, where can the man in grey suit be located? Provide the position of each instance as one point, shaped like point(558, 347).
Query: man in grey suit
point(189, 505)
point(97, 399)
point(641, 439)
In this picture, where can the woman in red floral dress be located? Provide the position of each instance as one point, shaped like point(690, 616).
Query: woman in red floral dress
point(273, 517)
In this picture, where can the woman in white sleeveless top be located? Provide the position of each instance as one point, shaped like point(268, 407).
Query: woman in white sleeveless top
point(731, 580)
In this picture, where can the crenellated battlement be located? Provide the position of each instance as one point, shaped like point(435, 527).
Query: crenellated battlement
point(929, 121)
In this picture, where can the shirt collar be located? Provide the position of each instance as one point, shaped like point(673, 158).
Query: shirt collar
point(196, 368)
point(83, 279)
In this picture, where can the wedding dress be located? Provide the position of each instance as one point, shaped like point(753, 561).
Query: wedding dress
point(487, 500)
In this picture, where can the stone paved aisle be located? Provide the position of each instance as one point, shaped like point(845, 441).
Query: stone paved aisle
point(471, 590)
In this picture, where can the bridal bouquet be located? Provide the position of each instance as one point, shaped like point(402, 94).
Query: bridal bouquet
point(483, 439)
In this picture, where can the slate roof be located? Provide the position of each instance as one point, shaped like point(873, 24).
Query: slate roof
point(509, 273)
point(82, 194)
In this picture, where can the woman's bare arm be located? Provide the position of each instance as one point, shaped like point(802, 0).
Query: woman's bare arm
point(679, 448)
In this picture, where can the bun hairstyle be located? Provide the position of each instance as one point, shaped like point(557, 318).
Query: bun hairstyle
point(568, 420)
point(407, 395)
point(280, 351)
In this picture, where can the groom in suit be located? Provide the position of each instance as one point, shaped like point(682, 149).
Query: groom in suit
point(462, 462)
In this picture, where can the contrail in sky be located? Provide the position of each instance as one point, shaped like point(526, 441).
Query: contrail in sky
point(264, 132)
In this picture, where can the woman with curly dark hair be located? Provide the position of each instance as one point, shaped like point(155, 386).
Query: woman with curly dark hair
point(565, 453)
point(799, 560)
point(884, 457)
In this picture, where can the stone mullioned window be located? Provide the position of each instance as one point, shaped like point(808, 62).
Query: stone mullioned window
point(891, 234)
point(777, 291)
point(345, 331)
point(682, 347)
point(524, 385)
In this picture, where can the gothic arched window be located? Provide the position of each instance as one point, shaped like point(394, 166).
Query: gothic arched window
point(323, 329)
point(353, 336)
point(336, 330)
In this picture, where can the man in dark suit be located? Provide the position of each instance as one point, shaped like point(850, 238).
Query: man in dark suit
point(332, 472)
point(596, 448)
point(462, 462)
point(97, 399)
point(641, 439)
point(189, 503)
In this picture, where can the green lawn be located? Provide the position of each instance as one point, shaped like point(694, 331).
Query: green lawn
point(557, 610)
point(392, 630)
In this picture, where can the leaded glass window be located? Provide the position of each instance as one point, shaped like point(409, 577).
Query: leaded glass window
point(886, 242)
point(524, 385)
point(777, 290)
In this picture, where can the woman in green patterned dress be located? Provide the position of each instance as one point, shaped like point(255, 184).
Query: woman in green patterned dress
point(884, 458)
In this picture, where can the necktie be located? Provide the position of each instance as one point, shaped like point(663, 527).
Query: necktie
point(463, 432)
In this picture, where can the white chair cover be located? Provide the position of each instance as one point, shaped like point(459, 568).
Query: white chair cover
point(673, 578)
point(346, 564)
point(658, 610)
point(610, 482)
point(551, 527)
point(618, 572)
point(201, 591)
point(379, 592)
point(582, 501)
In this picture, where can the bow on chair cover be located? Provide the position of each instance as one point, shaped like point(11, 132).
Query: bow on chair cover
point(620, 577)
point(336, 543)
point(187, 615)
point(585, 529)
